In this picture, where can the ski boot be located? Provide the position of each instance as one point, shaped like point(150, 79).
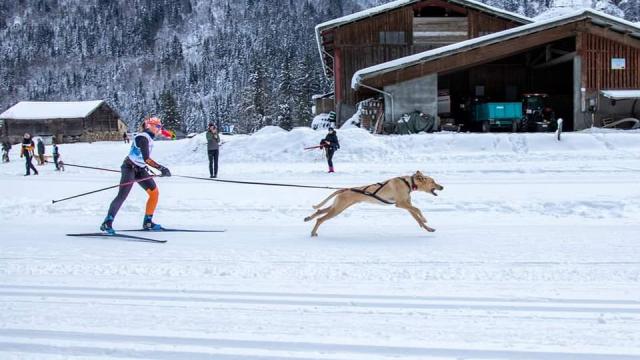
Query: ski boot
point(107, 227)
point(149, 225)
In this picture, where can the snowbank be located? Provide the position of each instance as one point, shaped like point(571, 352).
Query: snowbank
point(321, 121)
point(275, 144)
point(352, 122)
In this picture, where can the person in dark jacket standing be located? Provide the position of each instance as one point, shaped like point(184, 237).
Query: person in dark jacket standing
point(27, 152)
point(40, 147)
point(213, 149)
point(330, 144)
point(6, 147)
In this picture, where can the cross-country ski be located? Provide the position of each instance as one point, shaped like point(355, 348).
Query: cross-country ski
point(163, 229)
point(118, 237)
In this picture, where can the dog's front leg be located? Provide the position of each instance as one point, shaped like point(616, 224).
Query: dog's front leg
point(419, 212)
point(317, 213)
point(416, 213)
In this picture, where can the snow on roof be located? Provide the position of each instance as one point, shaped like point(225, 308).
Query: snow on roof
point(400, 3)
point(621, 94)
point(322, 96)
point(597, 17)
point(563, 7)
point(32, 110)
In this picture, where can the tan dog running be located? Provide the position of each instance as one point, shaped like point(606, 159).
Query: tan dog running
point(396, 191)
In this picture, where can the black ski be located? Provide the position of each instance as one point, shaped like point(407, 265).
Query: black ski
point(176, 230)
point(119, 236)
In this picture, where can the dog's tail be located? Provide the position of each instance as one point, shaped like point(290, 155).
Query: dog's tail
point(329, 198)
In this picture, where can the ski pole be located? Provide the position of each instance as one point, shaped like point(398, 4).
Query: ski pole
point(103, 189)
point(208, 179)
point(90, 167)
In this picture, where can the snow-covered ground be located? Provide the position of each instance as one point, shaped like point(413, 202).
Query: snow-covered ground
point(535, 254)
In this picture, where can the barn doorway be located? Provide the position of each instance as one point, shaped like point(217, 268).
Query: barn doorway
point(546, 69)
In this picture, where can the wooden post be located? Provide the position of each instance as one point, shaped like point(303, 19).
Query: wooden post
point(338, 84)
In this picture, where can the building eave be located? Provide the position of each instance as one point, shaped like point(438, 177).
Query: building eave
point(596, 17)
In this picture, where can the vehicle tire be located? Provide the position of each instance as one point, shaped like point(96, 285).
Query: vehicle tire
point(524, 124)
point(553, 123)
point(485, 126)
point(536, 119)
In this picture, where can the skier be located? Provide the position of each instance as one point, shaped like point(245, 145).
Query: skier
point(27, 152)
point(213, 149)
point(40, 147)
point(330, 144)
point(6, 146)
point(125, 137)
point(133, 168)
point(56, 155)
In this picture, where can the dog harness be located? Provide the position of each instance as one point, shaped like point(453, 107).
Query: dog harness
point(375, 195)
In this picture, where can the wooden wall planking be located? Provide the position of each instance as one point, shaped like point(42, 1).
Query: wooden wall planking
point(360, 47)
point(597, 54)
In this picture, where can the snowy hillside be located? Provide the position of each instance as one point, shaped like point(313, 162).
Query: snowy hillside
point(534, 257)
point(196, 60)
point(248, 63)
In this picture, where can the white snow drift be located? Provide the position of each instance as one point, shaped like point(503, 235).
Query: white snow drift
point(535, 254)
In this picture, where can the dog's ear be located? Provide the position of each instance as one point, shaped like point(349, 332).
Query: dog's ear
point(418, 173)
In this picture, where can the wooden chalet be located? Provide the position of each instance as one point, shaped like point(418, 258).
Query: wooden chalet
point(65, 121)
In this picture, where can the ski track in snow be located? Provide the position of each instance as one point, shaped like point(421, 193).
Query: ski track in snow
point(294, 309)
point(535, 254)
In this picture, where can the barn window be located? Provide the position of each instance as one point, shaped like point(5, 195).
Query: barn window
point(393, 37)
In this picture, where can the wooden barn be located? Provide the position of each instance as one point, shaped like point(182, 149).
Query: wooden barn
point(396, 30)
point(65, 121)
point(575, 59)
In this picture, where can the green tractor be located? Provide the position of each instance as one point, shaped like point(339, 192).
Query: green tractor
point(537, 115)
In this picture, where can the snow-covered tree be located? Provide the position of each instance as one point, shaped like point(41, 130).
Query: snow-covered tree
point(169, 112)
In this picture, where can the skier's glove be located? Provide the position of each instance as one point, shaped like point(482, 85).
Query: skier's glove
point(164, 172)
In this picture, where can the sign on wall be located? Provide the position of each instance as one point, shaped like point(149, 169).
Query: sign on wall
point(618, 63)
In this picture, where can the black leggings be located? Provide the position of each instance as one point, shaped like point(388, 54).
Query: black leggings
point(213, 162)
point(130, 173)
point(29, 165)
point(330, 153)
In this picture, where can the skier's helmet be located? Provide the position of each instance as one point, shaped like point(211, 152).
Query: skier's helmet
point(153, 122)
